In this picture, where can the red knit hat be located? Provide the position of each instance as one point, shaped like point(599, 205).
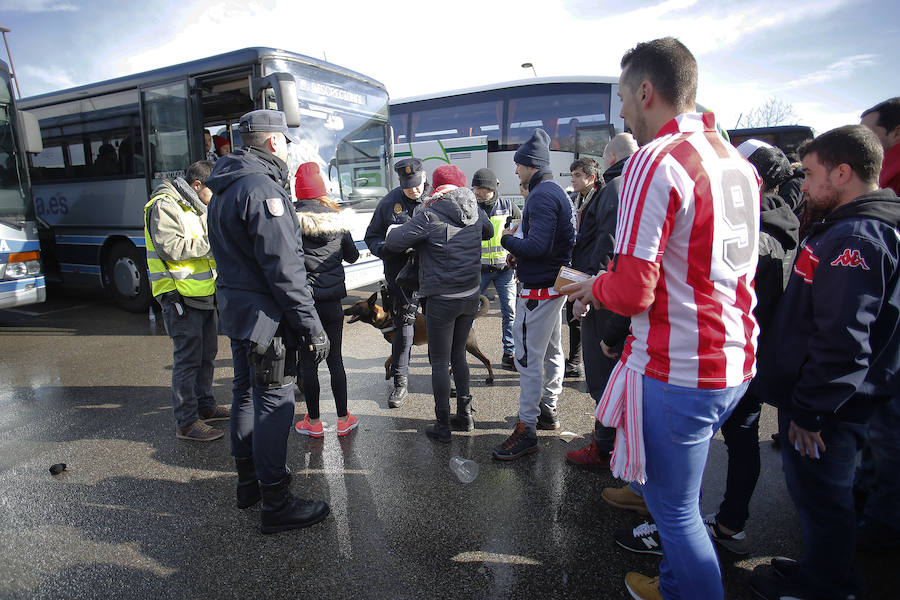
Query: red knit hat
point(448, 174)
point(220, 141)
point(309, 183)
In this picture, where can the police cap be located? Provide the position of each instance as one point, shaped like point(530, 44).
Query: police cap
point(411, 172)
point(268, 121)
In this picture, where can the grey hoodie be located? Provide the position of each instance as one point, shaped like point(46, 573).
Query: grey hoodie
point(446, 232)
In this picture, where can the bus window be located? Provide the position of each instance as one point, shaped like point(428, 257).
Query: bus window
point(560, 115)
point(166, 114)
point(456, 121)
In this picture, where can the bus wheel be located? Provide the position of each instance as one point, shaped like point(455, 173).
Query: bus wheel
point(126, 277)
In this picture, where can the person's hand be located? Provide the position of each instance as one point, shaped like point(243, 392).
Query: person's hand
point(807, 443)
point(580, 309)
point(607, 351)
point(319, 346)
point(581, 291)
point(510, 230)
point(511, 261)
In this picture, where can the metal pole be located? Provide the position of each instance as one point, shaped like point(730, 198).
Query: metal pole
point(12, 69)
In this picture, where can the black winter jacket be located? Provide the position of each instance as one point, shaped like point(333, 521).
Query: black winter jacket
point(446, 233)
point(548, 225)
point(394, 209)
point(834, 348)
point(327, 243)
point(255, 237)
point(778, 240)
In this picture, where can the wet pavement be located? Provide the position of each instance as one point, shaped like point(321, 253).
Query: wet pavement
point(139, 514)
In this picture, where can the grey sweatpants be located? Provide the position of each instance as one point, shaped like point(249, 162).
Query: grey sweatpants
point(539, 355)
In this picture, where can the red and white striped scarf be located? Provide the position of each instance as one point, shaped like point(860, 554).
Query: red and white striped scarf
point(622, 407)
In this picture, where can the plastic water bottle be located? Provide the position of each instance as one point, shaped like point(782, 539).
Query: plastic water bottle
point(465, 470)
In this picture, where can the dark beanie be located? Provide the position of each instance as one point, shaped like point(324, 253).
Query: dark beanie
point(773, 166)
point(535, 152)
point(485, 178)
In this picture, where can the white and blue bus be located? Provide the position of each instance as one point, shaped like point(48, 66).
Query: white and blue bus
point(106, 145)
point(21, 277)
point(483, 126)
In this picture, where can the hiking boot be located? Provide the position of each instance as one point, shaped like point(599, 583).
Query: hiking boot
point(400, 391)
point(642, 587)
point(549, 417)
point(198, 431)
point(282, 511)
point(522, 441)
point(735, 543)
point(219, 413)
point(643, 539)
point(440, 431)
point(248, 492)
point(346, 424)
point(589, 456)
point(573, 370)
point(508, 362)
point(623, 497)
point(307, 427)
point(463, 420)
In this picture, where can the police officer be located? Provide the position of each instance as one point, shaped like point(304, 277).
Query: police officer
point(397, 208)
point(267, 310)
point(493, 255)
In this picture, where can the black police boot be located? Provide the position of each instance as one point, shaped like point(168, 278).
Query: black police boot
point(440, 431)
point(463, 420)
point(282, 511)
point(398, 394)
point(248, 492)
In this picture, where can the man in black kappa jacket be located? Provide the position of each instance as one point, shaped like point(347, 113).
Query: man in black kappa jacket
point(267, 310)
point(395, 209)
point(833, 355)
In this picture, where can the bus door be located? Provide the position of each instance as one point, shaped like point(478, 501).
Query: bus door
point(166, 111)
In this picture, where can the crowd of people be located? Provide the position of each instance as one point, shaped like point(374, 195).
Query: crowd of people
point(715, 279)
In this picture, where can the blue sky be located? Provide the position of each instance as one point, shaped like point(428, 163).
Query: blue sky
point(830, 59)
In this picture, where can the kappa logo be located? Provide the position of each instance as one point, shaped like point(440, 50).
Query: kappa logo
point(850, 258)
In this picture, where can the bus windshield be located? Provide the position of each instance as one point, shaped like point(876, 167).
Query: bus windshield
point(12, 191)
point(344, 130)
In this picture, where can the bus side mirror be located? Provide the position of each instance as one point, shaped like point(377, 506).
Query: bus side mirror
point(285, 88)
point(31, 133)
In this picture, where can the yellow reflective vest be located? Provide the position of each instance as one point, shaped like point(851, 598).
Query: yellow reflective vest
point(492, 253)
point(194, 277)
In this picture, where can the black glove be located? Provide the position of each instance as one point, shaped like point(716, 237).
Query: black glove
point(319, 346)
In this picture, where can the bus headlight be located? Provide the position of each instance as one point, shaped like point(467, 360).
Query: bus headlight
point(23, 264)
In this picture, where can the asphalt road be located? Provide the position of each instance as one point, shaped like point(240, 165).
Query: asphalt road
point(139, 514)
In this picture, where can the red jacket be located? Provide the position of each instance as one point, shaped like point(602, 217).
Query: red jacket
point(890, 169)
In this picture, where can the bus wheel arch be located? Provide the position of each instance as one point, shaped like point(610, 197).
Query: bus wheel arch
point(125, 275)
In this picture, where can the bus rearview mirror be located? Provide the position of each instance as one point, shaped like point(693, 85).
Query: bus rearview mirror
point(285, 88)
point(31, 133)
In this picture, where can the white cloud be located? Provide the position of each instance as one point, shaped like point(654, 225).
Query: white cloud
point(37, 6)
point(54, 78)
point(836, 70)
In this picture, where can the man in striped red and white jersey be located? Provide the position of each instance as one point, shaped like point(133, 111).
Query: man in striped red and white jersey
point(686, 251)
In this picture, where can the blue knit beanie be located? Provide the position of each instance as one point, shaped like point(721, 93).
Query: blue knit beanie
point(535, 152)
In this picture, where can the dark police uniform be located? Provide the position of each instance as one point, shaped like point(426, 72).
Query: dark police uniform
point(265, 304)
point(395, 209)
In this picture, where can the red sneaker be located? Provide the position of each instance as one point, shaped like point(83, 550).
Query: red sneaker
point(590, 456)
point(304, 427)
point(346, 424)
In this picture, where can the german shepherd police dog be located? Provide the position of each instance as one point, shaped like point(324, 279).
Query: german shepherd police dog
point(369, 312)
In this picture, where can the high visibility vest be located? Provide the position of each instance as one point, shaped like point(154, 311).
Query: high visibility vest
point(194, 277)
point(492, 253)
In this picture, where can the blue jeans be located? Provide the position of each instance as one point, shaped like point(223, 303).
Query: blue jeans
point(678, 424)
point(505, 285)
point(261, 419)
point(822, 492)
point(195, 339)
point(883, 459)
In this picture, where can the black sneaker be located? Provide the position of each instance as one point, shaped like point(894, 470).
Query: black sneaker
point(508, 362)
point(573, 369)
point(643, 539)
point(549, 417)
point(735, 543)
point(521, 442)
point(786, 568)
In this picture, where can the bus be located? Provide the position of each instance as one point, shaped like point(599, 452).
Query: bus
point(483, 126)
point(786, 137)
point(108, 144)
point(21, 276)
